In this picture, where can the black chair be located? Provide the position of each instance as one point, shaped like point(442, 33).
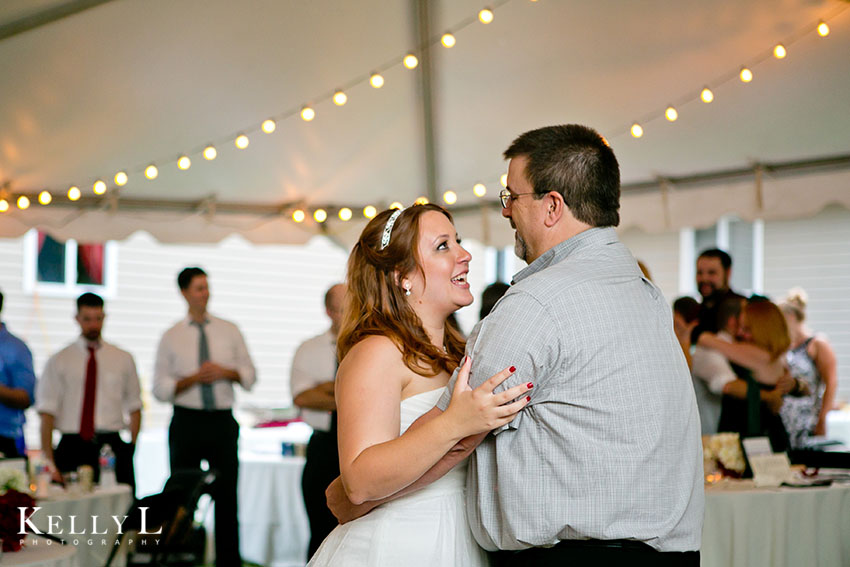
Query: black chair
point(170, 513)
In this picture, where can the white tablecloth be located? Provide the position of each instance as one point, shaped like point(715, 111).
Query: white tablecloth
point(41, 552)
point(779, 527)
point(92, 550)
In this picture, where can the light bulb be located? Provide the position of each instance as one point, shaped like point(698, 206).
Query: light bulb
point(74, 193)
point(210, 153)
point(410, 61)
point(485, 16)
point(4, 205)
point(479, 190)
point(706, 95)
point(184, 162)
point(320, 215)
point(45, 197)
point(307, 114)
point(345, 214)
point(369, 211)
point(121, 178)
point(151, 171)
point(376, 80)
point(268, 126)
point(99, 187)
point(396, 205)
point(298, 215)
point(503, 179)
point(779, 51)
point(448, 40)
point(823, 29)
point(340, 98)
point(242, 141)
point(450, 197)
point(421, 201)
point(23, 202)
point(637, 130)
point(671, 114)
point(746, 75)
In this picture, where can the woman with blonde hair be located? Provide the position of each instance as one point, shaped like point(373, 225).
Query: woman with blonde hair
point(811, 359)
point(406, 275)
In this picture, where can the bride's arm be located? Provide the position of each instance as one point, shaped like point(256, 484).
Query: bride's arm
point(375, 461)
point(747, 355)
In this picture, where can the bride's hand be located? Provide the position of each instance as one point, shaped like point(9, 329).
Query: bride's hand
point(480, 410)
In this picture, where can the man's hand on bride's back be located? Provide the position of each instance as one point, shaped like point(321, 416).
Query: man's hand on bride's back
point(481, 410)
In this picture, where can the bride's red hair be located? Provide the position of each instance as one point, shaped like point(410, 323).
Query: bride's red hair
point(375, 303)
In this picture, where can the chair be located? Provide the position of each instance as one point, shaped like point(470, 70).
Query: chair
point(172, 511)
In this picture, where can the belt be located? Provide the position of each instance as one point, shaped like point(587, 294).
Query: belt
point(606, 543)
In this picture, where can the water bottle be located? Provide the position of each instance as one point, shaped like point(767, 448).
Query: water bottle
point(107, 467)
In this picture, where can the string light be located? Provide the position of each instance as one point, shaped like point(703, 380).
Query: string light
point(396, 205)
point(151, 171)
point(320, 215)
point(746, 75)
point(503, 179)
point(340, 98)
point(344, 214)
point(410, 61)
point(485, 16)
point(823, 29)
point(376, 80)
point(450, 197)
point(4, 205)
point(421, 201)
point(121, 178)
point(448, 40)
point(307, 114)
point(268, 126)
point(637, 130)
point(45, 197)
point(210, 153)
point(242, 141)
point(23, 202)
point(369, 211)
point(184, 162)
point(706, 95)
point(99, 187)
point(74, 193)
point(671, 114)
point(298, 215)
point(779, 51)
point(479, 190)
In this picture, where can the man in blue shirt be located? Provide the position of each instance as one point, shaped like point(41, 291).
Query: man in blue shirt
point(17, 390)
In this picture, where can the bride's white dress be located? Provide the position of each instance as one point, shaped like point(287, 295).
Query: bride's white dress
point(425, 528)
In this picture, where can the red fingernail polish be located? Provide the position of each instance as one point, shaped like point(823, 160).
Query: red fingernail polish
point(530, 385)
point(528, 398)
point(512, 369)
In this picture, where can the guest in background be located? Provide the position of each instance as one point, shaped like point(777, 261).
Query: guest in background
point(685, 318)
point(812, 360)
point(714, 271)
point(491, 294)
point(198, 361)
point(89, 391)
point(17, 390)
point(312, 384)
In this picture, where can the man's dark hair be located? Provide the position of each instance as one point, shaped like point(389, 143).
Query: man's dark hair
point(576, 162)
point(687, 307)
point(89, 299)
point(184, 278)
point(725, 259)
point(731, 306)
point(1, 301)
point(491, 294)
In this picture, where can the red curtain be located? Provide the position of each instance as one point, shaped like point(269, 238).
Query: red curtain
point(91, 257)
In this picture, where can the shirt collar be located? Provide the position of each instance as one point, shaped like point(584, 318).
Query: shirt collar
point(189, 321)
point(590, 237)
point(84, 343)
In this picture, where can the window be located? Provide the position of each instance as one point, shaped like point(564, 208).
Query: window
point(67, 269)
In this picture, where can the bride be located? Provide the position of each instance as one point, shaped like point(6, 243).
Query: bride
point(406, 275)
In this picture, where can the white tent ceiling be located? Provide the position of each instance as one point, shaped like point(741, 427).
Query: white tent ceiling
point(127, 83)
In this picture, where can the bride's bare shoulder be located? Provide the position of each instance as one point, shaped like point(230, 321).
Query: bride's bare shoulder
point(375, 351)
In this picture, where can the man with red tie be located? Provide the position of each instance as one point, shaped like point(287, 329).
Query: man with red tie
point(89, 391)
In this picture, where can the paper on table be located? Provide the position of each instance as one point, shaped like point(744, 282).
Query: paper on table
point(770, 470)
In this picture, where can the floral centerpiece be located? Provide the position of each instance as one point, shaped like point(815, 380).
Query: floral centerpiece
point(13, 496)
point(724, 451)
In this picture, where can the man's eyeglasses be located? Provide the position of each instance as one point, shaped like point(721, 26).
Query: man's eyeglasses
point(505, 197)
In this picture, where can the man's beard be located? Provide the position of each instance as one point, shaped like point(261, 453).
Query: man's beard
point(520, 248)
point(92, 335)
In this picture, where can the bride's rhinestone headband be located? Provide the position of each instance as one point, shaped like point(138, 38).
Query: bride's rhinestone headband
point(388, 228)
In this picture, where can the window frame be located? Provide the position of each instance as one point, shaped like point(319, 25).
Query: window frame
point(70, 287)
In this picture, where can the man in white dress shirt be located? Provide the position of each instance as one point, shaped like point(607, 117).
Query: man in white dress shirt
point(90, 391)
point(312, 383)
point(197, 363)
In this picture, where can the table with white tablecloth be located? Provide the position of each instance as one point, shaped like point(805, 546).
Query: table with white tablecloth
point(776, 527)
point(42, 552)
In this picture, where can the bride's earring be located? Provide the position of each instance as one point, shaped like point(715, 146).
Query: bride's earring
point(406, 288)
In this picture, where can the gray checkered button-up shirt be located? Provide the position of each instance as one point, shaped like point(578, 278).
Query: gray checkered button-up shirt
point(609, 447)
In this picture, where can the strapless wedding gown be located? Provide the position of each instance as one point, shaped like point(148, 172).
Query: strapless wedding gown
point(426, 528)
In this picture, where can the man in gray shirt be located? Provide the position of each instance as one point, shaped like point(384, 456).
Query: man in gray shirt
point(605, 463)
